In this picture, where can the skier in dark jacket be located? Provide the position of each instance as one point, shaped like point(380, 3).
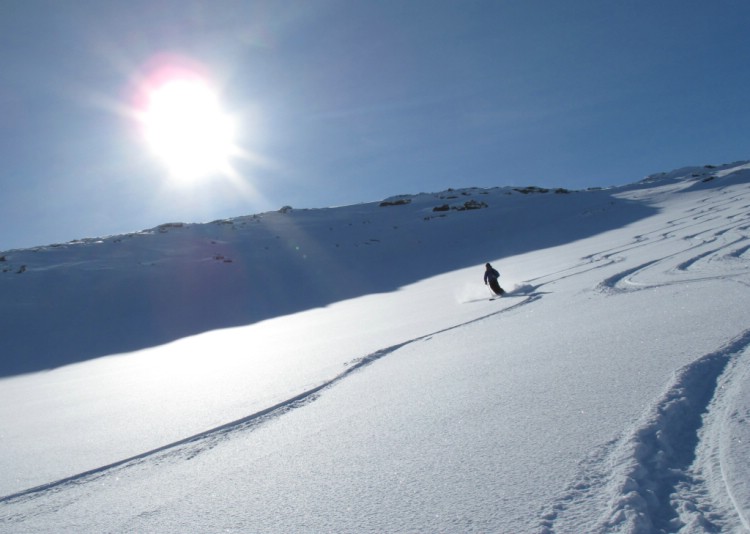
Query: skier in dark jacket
point(491, 276)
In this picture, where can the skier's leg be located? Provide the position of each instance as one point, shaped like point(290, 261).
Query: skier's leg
point(496, 287)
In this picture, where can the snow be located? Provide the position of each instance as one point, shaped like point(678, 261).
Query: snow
point(345, 370)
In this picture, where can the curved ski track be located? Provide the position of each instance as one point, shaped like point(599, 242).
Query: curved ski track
point(641, 482)
point(191, 446)
point(703, 259)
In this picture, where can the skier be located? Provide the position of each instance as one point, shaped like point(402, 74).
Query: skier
point(491, 276)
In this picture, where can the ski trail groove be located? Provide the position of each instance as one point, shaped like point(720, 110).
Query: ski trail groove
point(616, 283)
point(611, 284)
point(685, 265)
point(720, 469)
point(212, 436)
point(633, 484)
point(738, 253)
point(661, 449)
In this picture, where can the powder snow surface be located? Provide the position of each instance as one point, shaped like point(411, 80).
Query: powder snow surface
point(345, 369)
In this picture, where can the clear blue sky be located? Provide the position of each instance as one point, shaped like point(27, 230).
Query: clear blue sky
point(345, 101)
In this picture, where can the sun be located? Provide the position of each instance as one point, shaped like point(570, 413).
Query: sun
point(186, 128)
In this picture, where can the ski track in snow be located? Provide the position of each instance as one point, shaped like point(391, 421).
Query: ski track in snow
point(730, 236)
point(646, 481)
point(190, 447)
point(646, 474)
point(717, 478)
point(642, 482)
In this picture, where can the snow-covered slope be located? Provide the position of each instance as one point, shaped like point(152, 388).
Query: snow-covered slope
point(344, 369)
point(180, 279)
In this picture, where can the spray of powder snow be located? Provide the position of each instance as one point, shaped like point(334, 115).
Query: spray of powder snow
point(473, 292)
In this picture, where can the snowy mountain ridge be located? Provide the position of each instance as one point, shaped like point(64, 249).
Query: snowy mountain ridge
point(343, 369)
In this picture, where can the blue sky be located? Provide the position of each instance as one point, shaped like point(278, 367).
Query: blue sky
point(345, 101)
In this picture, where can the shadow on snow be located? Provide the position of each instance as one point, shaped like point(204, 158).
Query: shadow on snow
point(80, 301)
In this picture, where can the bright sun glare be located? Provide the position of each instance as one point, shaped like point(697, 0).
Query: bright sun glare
point(187, 129)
